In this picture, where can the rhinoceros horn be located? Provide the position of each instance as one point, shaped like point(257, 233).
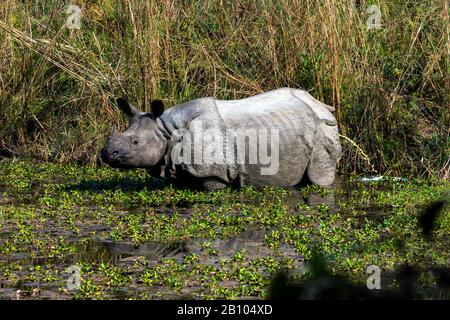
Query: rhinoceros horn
point(113, 130)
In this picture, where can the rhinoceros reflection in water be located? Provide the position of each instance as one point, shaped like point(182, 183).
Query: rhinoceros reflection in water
point(251, 241)
point(273, 139)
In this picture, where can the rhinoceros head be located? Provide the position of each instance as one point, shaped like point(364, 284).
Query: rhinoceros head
point(142, 145)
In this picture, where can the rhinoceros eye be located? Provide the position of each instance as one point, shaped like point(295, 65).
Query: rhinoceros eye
point(134, 140)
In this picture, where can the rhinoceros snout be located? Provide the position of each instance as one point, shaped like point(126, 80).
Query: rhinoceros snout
point(109, 157)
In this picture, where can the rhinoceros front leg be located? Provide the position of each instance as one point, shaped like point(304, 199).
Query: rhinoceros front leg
point(325, 154)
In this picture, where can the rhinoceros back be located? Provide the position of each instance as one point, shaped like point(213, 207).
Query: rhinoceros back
point(282, 113)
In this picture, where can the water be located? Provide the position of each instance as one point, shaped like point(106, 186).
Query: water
point(83, 233)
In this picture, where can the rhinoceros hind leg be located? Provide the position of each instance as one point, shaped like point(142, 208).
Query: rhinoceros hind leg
point(326, 152)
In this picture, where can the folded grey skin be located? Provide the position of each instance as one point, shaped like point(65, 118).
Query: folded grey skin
point(273, 139)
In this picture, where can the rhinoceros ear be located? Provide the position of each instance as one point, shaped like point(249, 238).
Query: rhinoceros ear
point(127, 108)
point(157, 108)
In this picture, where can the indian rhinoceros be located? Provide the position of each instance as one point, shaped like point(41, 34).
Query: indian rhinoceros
point(272, 138)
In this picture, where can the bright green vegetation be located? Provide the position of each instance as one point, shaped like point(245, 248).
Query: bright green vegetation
point(132, 237)
point(390, 85)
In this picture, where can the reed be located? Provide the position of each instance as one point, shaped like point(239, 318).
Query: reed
point(390, 85)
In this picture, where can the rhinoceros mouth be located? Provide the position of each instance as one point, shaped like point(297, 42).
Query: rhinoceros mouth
point(114, 159)
point(117, 163)
point(117, 159)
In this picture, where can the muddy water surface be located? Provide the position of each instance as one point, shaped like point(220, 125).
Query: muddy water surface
point(134, 237)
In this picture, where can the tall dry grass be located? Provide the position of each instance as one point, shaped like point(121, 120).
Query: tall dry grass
point(390, 85)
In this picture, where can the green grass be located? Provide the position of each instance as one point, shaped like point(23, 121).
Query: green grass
point(224, 244)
